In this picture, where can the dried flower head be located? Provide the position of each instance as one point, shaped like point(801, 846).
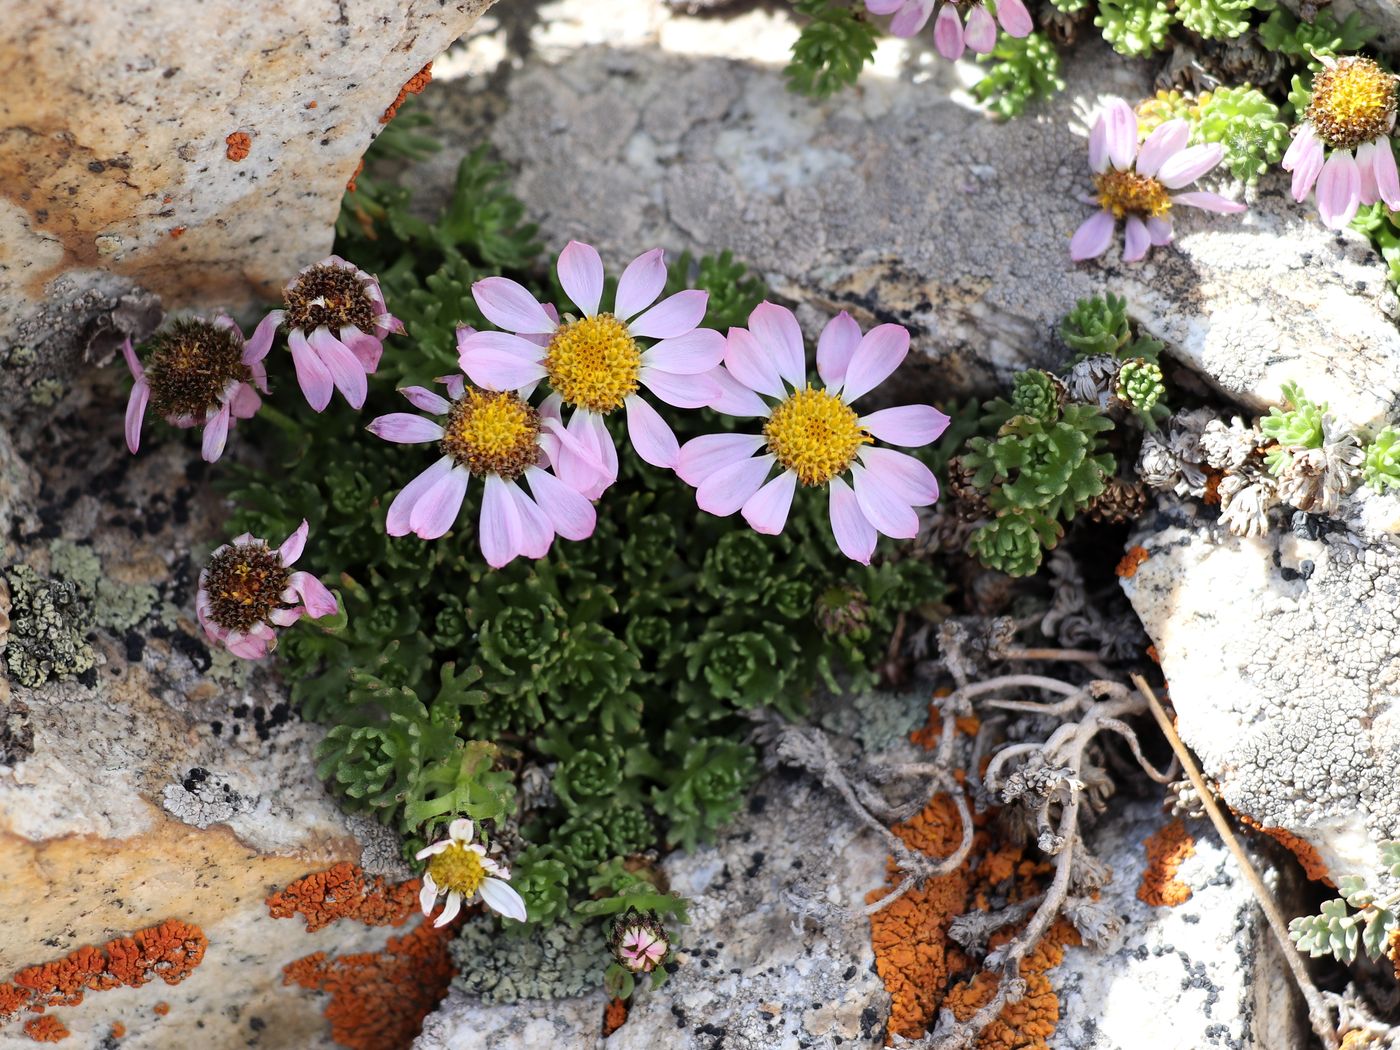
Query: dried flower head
point(460, 868)
point(639, 941)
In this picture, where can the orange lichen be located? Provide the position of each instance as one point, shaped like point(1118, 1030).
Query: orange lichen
point(1211, 497)
point(177, 232)
point(1153, 655)
point(170, 951)
point(346, 892)
point(379, 999)
point(118, 1031)
point(350, 186)
point(1166, 849)
point(415, 85)
point(161, 1008)
point(1313, 866)
point(614, 1016)
point(239, 144)
point(46, 1029)
point(1130, 562)
point(931, 732)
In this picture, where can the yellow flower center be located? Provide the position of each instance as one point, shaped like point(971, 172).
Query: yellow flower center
point(814, 434)
point(1128, 193)
point(1352, 102)
point(492, 433)
point(594, 362)
point(458, 869)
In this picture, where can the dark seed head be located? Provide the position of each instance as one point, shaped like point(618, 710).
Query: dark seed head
point(244, 583)
point(330, 295)
point(190, 367)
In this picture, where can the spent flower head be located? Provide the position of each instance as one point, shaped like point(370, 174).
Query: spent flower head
point(639, 941)
point(960, 24)
point(460, 868)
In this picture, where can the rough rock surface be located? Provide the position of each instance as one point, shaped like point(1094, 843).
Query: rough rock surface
point(165, 782)
point(194, 153)
point(902, 202)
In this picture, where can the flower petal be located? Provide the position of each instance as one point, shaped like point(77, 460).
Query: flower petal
point(449, 910)
point(536, 533)
point(136, 412)
point(903, 474)
point(461, 829)
point(675, 315)
point(728, 489)
point(1135, 239)
point(654, 441)
point(1159, 229)
point(776, 330)
point(427, 896)
point(500, 524)
point(700, 457)
point(345, 368)
point(640, 284)
point(854, 535)
point(907, 425)
point(495, 369)
point(981, 30)
point(508, 304)
point(1338, 190)
point(313, 376)
point(686, 355)
point(1304, 159)
point(884, 7)
point(883, 508)
point(1093, 237)
point(1014, 18)
point(581, 275)
point(571, 514)
point(436, 511)
point(735, 399)
point(1166, 140)
point(697, 391)
point(1366, 169)
point(246, 402)
point(879, 354)
point(1120, 127)
point(317, 598)
point(260, 342)
point(1387, 179)
point(751, 364)
point(421, 397)
point(1181, 169)
point(294, 544)
point(401, 510)
point(835, 346)
point(947, 30)
point(368, 349)
point(501, 897)
point(215, 435)
point(1206, 201)
point(405, 428)
point(767, 509)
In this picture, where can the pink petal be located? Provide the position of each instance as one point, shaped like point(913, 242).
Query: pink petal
point(879, 353)
point(835, 346)
point(245, 402)
point(136, 412)
point(437, 509)
point(1181, 169)
point(1098, 146)
point(640, 284)
point(907, 425)
point(1135, 239)
point(256, 348)
point(366, 348)
point(1093, 237)
point(1338, 190)
point(294, 544)
point(428, 400)
point(698, 391)
point(536, 533)
point(507, 304)
point(571, 514)
point(1166, 140)
point(687, 355)
point(456, 385)
point(910, 18)
point(1206, 201)
point(675, 315)
point(751, 364)
point(1014, 18)
point(883, 508)
point(581, 275)
point(500, 524)
point(904, 475)
point(1304, 158)
point(345, 368)
point(766, 510)
point(1366, 168)
point(947, 31)
point(981, 31)
point(215, 434)
point(404, 428)
point(854, 535)
point(700, 457)
point(651, 437)
point(313, 376)
point(777, 332)
point(495, 369)
point(728, 489)
point(133, 363)
point(1387, 179)
point(1159, 230)
point(735, 399)
point(883, 7)
point(401, 510)
point(319, 601)
point(1120, 125)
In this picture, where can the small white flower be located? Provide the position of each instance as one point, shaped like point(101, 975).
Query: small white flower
point(460, 868)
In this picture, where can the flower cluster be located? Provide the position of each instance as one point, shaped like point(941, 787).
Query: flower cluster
point(954, 32)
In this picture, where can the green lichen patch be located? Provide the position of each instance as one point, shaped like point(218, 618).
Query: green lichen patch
point(116, 607)
point(552, 962)
point(49, 623)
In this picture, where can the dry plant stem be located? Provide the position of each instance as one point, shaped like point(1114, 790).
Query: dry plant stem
point(1077, 656)
point(1317, 1010)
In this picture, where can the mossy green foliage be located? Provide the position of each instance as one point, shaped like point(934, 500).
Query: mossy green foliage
point(1021, 71)
point(625, 663)
point(1298, 424)
point(1358, 920)
point(1382, 465)
point(1135, 27)
point(49, 624)
point(1215, 19)
point(834, 45)
point(1098, 325)
point(1140, 384)
point(1379, 223)
point(1246, 124)
point(1310, 42)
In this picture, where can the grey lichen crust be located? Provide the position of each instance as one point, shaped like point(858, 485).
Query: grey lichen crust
point(557, 962)
point(49, 622)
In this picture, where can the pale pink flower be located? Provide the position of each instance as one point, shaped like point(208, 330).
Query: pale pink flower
point(499, 436)
point(950, 34)
point(460, 868)
point(813, 435)
point(594, 363)
point(198, 373)
point(1343, 143)
point(1142, 183)
point(336, 321)
point(248, 590)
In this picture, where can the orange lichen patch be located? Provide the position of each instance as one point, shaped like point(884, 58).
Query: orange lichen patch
point(170, 951)
point(1028, 1023)
point(928, 735)
point(1305, 851)
point(239, 143)
point(311, 104)
point(46, 1029)
point(346, 892)
point(177, 232)
point(161, 1008)
point(1211, 497)
point(1153, 655)
point(350, 186)
point(415, 86)
point(1128, 566)
point(1166, 849)
point(379, 999)
point(118, 1031)
point(614, 1016)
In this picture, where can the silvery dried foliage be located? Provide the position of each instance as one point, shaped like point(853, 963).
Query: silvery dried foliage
point(1229, 446)
point(1093, 380)
point(1171, 459)
point(1315, 479)
point(1246, 497)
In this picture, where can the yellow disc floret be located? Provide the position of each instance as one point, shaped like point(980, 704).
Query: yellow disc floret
point(1352, 102)
point(594, 363)
point(457, 869)
point(815, 435)
point(1128, 193)
point(492, 432)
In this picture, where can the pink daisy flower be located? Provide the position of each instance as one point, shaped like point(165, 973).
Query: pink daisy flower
point(248, 590)
point(1142, 183)
point(594, 363)
point(813, 436)
point(460, 868)
point(1351, 114)
point(950, 34)
point(336, 321)
point(198, 373)
point(499, 436)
